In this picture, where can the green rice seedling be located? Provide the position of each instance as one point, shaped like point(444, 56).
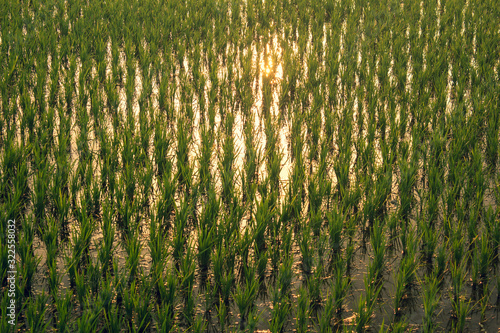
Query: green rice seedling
point(432, 204)
point(157, 249)
point(105, 295)
point(429, 241)
point(275, 252)
point(146, 187)
point(184, 171)
point(62, 201)
point(50, 239)
point(243, 249)
point(166, 204)
point(376, 267)
point(227, 159)
point(19, 199)
point(305, 250)
point(285, 275)
point(266, 97)
point(279, 312)
point(451, 198)
point(40, 197)
point(186, 283)
point(166, 312)
point(368, 211)
point(230, 227)
point(303, 310)
point(8, 179)
point(199, 325)
point(274, 170)
point(408, 179)
point(456, 244)
point(297, 195)
point(400, 327)
point(366, 305)
point(484, 301)
point(392, 224)
point(54, 281)
point(93, 275)
point(492, 140)
point(342, 167)
point(186, 271)
point(493, 232)
point(204, 160)
point(227, 283)
point(29, 115)
point(81, 239)
point(405, 278)
point(286, 245)
point(458, 273)
point(441, 261)
point(81, 289)
point(179, 239)
point(461, 309)
point(314, 287)
point(322, 248)
point(279, 315)
point(252, 158)
point(142, 308)
point(210, 301)
point(261, 259)
point(29, 263)
point(327, 315)
point(382, 192)
point(480, 262)
point(133, 248)
point(113, 320)
point(218, 264)
point(315, 222)
point(129, 297)
point(340, 287)
point(87, 322)
point(245, 296)
point(431, 302)
point(105, 254)
point(211, 211)
point(161, 143)
point(167, 294)
point(205, 245)
point(129, 183)
point(253, 320)
point(4, 260)
point(36, 312)
point(262, 219)
point(222, 314)
point(63, 308)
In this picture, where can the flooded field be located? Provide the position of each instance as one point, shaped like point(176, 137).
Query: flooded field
point(249, 166)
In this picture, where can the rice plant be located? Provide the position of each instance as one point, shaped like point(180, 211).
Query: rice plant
point(303, 310)
point(245, 296)
point(366, 305)
point(431, 301)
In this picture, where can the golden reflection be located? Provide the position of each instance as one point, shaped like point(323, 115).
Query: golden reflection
point(268, 69)
point(271, 68)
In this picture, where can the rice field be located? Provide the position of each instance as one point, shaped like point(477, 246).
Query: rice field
point(250, 166)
